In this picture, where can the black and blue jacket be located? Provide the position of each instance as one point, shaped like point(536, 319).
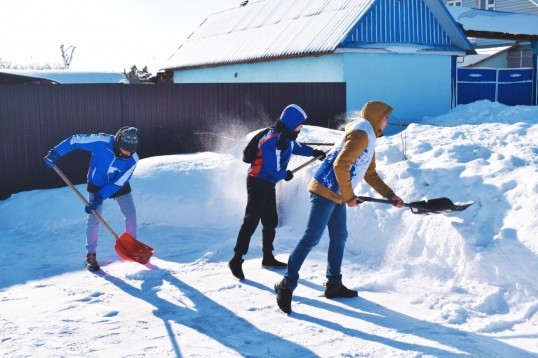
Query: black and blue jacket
point(277, 146)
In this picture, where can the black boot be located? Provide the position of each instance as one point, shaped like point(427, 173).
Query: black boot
point(271, 262)
point(235, 266)
point(334, 290)
point(283, 296)
point(91, 262)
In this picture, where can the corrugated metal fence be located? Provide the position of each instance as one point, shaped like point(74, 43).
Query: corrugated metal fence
point(510, 86)
point(172, 119)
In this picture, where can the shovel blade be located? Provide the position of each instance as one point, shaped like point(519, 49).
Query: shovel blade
point(130, 249)
point(436, 206)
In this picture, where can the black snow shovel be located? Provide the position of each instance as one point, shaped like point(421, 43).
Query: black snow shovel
point(127, 247)
point(431, 206)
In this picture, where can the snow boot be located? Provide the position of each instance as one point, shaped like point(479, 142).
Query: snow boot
point(271, 262)
point(91, 262)
point(283, 296)
point(236, 266)
point(334, 290)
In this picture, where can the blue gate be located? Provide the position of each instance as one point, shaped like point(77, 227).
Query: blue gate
point(510, 86)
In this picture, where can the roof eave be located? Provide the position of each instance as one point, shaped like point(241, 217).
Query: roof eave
point(500, 35)
point(451, 52)
point(248, 61)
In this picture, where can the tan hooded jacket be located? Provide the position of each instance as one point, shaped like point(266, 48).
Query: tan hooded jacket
point(355, 143)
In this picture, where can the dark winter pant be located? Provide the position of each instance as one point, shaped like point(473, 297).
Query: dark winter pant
point(261, 205)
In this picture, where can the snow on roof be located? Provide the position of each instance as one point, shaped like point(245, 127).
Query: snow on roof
point(71, 77)
point(482, 54)
point(269, 29)
point(495, 21)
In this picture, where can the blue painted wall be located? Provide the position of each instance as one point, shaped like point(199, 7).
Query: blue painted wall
point(414, 85)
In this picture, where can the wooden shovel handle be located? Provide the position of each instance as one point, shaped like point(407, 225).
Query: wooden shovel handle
point(83, 199)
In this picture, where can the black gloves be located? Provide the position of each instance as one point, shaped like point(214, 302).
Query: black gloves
point(289, 175)
point(51, 158)
point(319, 153)
point(96, 201)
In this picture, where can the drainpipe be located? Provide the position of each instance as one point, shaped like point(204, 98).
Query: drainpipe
point(534, 49)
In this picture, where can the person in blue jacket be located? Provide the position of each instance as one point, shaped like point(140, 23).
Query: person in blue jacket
point(113, 161)
point(276, 148)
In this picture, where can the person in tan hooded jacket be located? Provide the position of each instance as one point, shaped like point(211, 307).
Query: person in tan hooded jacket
point(349, 161)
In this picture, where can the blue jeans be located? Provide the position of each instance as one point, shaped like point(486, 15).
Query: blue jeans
point(323, 212)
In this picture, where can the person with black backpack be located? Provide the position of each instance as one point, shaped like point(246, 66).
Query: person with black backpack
point(275, 147)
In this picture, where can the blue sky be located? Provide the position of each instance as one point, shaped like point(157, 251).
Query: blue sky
point(108, 35)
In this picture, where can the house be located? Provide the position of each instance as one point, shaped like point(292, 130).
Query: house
point(501, 39)
point(517, 6)
point(505, 66)
point(8, 76)
point(400, 52)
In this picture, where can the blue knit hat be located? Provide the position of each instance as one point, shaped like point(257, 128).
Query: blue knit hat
point(292, 116)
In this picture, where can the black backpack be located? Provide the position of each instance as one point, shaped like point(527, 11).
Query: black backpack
point(251, 150)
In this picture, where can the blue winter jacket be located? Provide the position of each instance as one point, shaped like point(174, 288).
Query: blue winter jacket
point(107, 171)
point(273, 163)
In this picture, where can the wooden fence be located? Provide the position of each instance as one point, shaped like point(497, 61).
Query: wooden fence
point(172, 119)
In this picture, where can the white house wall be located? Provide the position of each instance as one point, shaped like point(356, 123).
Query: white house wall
point(518, 6)
point(499, 61)
point(326, 68)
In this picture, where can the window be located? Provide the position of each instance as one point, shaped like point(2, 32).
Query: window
point(454, 3)
point(486, 4)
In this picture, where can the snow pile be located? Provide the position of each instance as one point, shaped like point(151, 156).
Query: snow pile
point(429, 285)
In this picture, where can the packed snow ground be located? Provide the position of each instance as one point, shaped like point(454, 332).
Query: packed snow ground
point(458, 285)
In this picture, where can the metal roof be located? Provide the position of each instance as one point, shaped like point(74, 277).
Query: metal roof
point(269, 29)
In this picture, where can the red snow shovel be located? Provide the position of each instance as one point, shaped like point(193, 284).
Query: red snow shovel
point(127, 247)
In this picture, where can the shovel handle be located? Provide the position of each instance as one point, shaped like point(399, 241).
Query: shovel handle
point(407, 205)
point(83, 199)
point(375, 200)
point(307, 163)
point(386, 201)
